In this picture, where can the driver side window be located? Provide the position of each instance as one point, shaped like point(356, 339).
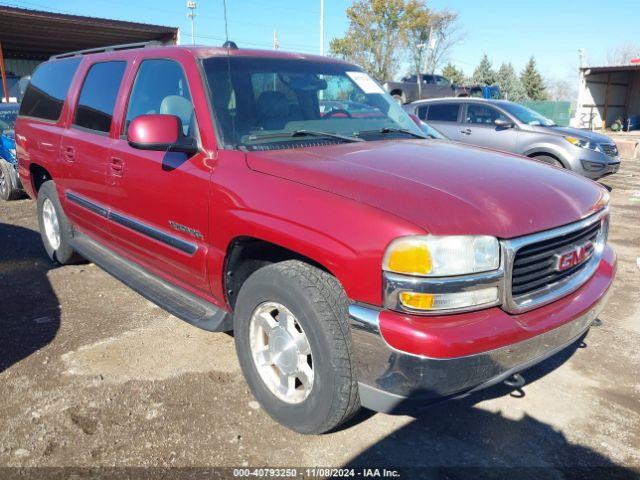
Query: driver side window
point(161, 88)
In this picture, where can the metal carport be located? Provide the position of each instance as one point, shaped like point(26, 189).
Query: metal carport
point(28, 37)
point(606, 94)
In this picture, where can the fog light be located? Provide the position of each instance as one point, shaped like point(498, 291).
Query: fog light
point(417, 301)
point(592, 166)
point(447, 301)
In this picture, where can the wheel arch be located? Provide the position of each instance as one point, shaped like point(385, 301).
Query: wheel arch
point(245, 254)
point(38, 175)
point(538, 152)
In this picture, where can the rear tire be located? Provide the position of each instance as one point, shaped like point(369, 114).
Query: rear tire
point(55, 229)
point(8, 189)
point(313, 301)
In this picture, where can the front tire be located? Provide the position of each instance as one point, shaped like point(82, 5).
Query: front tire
point(294, 346)
point(55, 229)
point(550, 160)
point(8, 189)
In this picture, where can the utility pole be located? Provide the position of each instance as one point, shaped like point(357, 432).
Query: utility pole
point(191, 5)
point(321, 27)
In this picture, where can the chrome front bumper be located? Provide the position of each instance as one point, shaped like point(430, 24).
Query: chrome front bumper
point(388, 377)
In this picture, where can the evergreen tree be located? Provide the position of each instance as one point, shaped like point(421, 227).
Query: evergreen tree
point(484, 73)
point(509, 83)
point(452, 73)
point(532, 81)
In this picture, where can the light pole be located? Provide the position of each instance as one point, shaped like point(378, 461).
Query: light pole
point(321, 27)
point(191, 5)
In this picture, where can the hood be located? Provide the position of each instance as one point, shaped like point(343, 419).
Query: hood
point(573, 132)
point(442, 187)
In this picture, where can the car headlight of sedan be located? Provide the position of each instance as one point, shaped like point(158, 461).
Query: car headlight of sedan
point(579, 142)
point(430, 273)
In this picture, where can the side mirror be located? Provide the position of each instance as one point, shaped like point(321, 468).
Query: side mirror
point(502, 123)
point(159, 133)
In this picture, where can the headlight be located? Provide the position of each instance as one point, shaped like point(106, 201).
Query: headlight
point(578, 142)
point(435, 256)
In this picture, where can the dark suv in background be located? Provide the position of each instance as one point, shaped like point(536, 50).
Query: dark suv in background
point(514, 128)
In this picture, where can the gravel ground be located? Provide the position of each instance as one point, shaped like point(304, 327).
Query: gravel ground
point(94, 375)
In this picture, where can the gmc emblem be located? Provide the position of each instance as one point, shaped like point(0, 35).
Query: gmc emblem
point(575, 256)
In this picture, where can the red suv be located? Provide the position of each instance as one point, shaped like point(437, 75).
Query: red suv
point(357, 262)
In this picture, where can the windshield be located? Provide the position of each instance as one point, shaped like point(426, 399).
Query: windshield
point(8, 115)
point(526, 115)
point(270, 100)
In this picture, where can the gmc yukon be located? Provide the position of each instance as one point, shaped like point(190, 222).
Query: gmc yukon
point(357, 262)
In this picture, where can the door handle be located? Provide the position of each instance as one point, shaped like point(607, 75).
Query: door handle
point(117, 167)
point(466, 131)
point(69, 154)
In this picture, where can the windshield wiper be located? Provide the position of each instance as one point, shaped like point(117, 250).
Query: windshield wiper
point(395, 130)
point(306, 133)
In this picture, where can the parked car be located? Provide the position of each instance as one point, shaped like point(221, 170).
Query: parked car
point(357, 262)
point(10, 187)
point(514, 128)
point(432, 86)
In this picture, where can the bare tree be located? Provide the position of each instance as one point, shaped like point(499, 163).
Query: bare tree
point(560, 89)
point(445, 33)
point(417, 34)
point(622, 54)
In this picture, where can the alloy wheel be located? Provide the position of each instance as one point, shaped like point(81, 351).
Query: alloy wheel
point(281, 352)
point(51, 224)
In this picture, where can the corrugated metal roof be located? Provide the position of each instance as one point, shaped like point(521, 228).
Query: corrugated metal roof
point(629, 67)
point(34, 34)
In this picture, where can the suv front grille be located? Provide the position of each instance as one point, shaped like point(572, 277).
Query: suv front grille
point(543, 267)
point(534, 264)
point(609, 149)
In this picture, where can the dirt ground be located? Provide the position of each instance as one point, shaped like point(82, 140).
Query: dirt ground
point(92, 374)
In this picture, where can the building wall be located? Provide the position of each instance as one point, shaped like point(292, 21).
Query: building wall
point(20, 67)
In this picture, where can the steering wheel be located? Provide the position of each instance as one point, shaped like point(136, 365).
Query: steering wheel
point(337, 111)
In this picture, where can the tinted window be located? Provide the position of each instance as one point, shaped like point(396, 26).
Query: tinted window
point(483, 114)
point(45, 95)
point(422, 112)
point(98, 96)
point(161, 87)
point(443, 112)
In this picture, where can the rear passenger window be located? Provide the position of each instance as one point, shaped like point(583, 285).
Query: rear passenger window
point(422, 112)
point(98, 96)
point(48, 89)
point(483, 115)
point(161, 87)
point(443, 112)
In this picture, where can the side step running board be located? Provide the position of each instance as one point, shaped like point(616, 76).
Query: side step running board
point(173, 299)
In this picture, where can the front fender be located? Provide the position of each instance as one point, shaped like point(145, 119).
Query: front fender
point(346, 237)
point(547, 149)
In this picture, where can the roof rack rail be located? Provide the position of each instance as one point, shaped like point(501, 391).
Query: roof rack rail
point(109, 48)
